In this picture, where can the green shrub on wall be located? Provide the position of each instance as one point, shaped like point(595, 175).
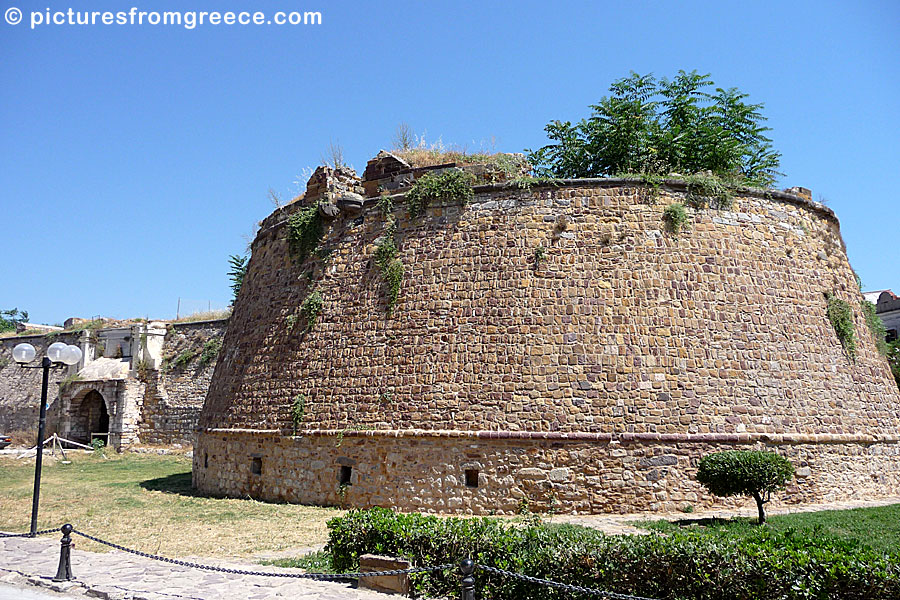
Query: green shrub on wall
point(210, 351)
point(450, 186)
point(675, 217)
point(841, 317)
point(763, 565)
point(311, 308)
point(876, 326)
point(298, 411)
point(304, 231)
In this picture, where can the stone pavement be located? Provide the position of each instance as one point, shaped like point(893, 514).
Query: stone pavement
point(121, 576)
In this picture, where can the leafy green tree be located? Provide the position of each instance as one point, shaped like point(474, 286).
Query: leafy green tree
point(893, 356)
point(660, 127)
point(236, 273)
point(745, 473)
point(9, 318)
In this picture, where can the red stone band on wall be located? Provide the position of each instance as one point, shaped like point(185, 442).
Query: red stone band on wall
point(555, 436)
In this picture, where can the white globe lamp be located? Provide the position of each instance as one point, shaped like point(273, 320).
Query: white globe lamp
point(71, 355)
point(56, 351)
point(23, 353)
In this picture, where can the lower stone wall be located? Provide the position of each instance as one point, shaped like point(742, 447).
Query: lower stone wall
point(165, 425)
point(568, 473)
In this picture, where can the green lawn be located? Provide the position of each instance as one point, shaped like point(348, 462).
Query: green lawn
point(877, 527)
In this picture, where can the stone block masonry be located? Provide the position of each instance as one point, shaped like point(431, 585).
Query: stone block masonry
point(502, 472)
point(564, 309)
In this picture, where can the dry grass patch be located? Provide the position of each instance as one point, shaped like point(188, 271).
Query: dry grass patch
point(206, 315)
point(146, 502)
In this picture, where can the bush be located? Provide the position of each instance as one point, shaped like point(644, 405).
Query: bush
point(311, 308)
point(745, 473)
point(893, 356)
point(210, 352)
point(840, 315)
point(684, 125)
point(675, 217)
point(449, 186)
point(763, 565)
point(305, 229)
point(876, 326)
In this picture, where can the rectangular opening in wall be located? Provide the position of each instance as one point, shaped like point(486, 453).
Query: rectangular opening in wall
point(472, 478)
point(205, 460)
point(344, 476)
point(256, 466)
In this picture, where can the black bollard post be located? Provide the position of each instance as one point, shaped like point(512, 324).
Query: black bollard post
point(467, 568)
point(64, 572)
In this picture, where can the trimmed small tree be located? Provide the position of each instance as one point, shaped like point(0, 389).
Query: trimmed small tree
point(745, 473)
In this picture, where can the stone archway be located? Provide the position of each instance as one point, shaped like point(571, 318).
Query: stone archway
point(89, 418)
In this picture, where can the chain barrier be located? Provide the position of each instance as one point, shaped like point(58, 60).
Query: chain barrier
point(314, 576)
point(28, 535)
point(560, 586)
point(467, 567)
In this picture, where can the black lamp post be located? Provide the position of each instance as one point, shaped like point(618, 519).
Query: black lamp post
point(58, 354)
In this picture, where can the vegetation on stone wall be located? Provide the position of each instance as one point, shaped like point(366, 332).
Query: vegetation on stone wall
point(709, 190)
point(841, 317)
point(762, 564)
point(876, 326)
point(238, 269)
point(453, 185)
point(305, 230)
point(745, 473)
point(311, 308)
point(683, 125)
point(675, 217)
point(390, 267)
point(210, 351)
point(184, 358)
point(68, 381)
point(893, 356)
point(298, 411)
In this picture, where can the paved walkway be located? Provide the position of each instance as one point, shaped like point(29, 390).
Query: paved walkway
point(121, 576)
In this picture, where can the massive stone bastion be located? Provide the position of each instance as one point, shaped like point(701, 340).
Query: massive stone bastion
point(553, 344)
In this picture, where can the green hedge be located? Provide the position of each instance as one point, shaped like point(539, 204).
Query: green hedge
point(683, 565)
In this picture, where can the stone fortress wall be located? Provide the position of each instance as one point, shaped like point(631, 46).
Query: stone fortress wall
point(129, 373)
point(552, 344)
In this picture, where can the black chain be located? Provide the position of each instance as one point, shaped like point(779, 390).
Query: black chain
point(561, 586)
point(25, 535)
point(314, 576)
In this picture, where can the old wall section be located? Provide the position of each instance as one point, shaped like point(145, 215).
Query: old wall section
point(560, 309)
point(590, 351)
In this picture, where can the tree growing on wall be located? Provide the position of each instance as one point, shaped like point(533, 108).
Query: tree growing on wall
point(681, 125)
point(236, 273)
point(9, 318)
point(745, 473)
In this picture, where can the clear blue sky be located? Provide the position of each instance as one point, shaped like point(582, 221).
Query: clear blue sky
point(134, 160)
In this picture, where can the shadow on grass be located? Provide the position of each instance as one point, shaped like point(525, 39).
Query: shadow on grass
point(178, 483)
